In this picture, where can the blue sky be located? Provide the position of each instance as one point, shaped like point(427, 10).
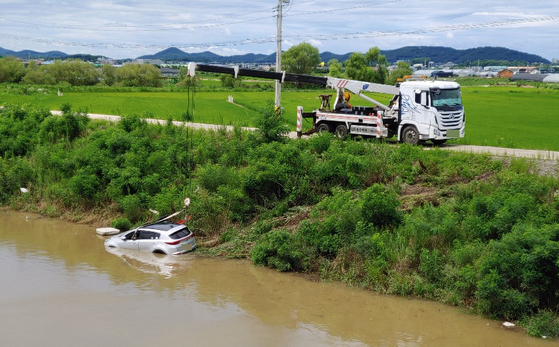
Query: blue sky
point(127, 29)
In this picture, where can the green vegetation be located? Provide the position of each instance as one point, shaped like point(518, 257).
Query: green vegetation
point(503, 115)
point(372, 66)
point(210, 106)
point(301, 59)
point(464, 229)
point(76, 72)
point(511, 117)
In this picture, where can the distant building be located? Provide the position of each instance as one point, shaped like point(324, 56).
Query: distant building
point(422, 73)
point(464, 72)
point(106, 61)
point(487, 74)
point(506, 73)
point(167, 72)
point(494, 68)
point(149, 61)
point(523, 69)
point(555, 61)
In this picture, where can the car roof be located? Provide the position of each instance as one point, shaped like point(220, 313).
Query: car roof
point(163, 227)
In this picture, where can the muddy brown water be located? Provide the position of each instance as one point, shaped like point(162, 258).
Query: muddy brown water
point(60, 287)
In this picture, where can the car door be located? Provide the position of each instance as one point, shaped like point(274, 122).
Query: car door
point(147, 240)
point(130, 240)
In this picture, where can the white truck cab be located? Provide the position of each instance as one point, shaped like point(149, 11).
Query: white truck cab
point(429, 110)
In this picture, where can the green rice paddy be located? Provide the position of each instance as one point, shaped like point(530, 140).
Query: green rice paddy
point(515, 117)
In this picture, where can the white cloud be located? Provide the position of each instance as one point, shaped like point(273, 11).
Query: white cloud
point(316, 43)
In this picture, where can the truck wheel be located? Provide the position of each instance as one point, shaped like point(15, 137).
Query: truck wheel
point(323, 127)
point(341, 131)
point(410, 135)
point(438, 142)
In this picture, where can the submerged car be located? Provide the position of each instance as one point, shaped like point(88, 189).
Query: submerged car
point(160, 237)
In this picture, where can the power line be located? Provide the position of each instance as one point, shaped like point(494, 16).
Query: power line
point(324, 37)
point(192, 25)
point(139, 28)
point(163, 27)
point(343, 10)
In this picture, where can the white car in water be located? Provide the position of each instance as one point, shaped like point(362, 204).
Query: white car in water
point(160, 237)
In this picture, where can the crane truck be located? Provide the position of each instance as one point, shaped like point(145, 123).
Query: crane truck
point(419, 111)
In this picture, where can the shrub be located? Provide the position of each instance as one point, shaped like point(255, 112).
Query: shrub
point(121, 224)
point(265, 183)
point(544, 323)
point(380, 207)
point(12, 70)
point(431, 265)
point(138, 75)
point(277, 250)
point(520, 273)
point(229, 81)
point(214, 176)
point(84, 185)
point(8, 183)
point(271, 126)
point(131, 206)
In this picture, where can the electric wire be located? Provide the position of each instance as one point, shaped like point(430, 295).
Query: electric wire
point(263, 40)
point(193, 25)
point(136, 27)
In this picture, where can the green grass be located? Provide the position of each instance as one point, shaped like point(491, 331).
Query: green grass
point(512, 117)
point(503, 116)
point(210, 107)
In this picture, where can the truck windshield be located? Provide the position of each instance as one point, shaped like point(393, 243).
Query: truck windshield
point(446, 97)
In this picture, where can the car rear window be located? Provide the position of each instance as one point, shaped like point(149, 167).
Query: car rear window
point(179, 234)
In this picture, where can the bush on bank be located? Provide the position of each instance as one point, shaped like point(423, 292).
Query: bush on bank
point(464, 229)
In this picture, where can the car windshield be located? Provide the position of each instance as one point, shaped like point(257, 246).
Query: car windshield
point(179, 234)
point(446, 97)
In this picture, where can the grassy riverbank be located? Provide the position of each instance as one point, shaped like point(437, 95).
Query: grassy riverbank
point(468, 230)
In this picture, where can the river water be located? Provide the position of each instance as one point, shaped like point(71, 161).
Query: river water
point(60, 287)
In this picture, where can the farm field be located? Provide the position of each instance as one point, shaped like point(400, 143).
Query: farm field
point(210, 107)
point(513, 117)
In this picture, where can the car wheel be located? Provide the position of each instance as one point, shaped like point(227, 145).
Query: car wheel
point(323, 127)
point(341, 131)
point(410, 135)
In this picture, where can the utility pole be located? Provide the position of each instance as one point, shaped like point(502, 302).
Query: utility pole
point(278, 53)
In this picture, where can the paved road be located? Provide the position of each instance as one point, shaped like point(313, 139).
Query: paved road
point(499, 151)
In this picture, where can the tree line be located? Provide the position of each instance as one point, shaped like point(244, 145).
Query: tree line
point(78, 73)
point(301, 59)
point(371, 66)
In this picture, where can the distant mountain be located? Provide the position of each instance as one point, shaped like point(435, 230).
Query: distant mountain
point(5, 52)
point(460, 56)
point(175, 54)
point(26, 54)
point(327, 56)
point(435, 54)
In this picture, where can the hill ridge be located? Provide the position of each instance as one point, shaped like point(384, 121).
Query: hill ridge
point(437, 54)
